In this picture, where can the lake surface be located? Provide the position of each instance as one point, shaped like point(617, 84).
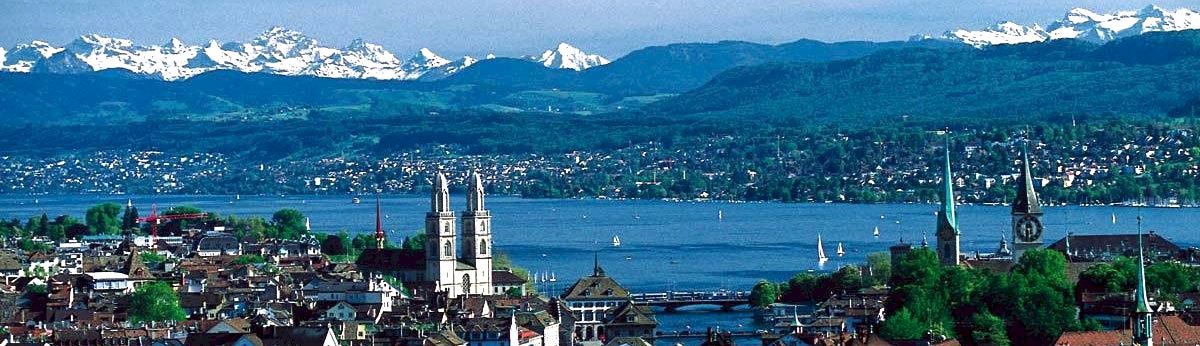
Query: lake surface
point(665, 245)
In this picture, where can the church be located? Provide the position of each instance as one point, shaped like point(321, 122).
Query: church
point(1027, 228)
point(443, 267)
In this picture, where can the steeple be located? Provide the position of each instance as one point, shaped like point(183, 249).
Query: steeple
point(440, 194)
point(1143, 329)
point(1026, 212)
point(475, 193)
point(379, 237)
point(948, 247)
point(596, 270)
point(947, 220)
point(1027, 199)
point(1003, 251)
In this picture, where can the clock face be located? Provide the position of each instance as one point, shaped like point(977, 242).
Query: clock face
point(1029, 229)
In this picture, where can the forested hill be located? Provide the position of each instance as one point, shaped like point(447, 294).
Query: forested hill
point(1150, 74)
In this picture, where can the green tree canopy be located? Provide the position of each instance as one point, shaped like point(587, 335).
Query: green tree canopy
point(155, 301)
point(764, 294)
point(103, 218)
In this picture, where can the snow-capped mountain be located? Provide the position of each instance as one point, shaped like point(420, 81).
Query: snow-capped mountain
point(1083, 24)
point(568, 57)
point(276, 51)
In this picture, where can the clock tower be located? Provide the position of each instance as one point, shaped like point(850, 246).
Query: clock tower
point(1026, 213)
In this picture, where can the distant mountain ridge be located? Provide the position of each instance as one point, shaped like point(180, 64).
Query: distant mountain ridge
point(1081, 24)
point(276, 51)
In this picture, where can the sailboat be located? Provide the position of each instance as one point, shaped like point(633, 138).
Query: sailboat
point(720, 215)
point(1114, 218)
point(840, 251)
point(616, 242)
point(821, 259)
point(876, 233)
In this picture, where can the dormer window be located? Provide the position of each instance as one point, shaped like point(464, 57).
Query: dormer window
point(586, 293)
point(608, 292)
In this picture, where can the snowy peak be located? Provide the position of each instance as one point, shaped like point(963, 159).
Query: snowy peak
point(277, 50)
point(1083, 24)
point(566, 56)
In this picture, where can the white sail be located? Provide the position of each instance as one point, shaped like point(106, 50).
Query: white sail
point(821, 251)
point(720, 214)
point(1114, 218)
point(876, 233)
point(840, 251)
point(616, 241)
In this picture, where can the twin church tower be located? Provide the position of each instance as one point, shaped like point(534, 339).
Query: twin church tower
point(446, 269)
point(1026, 216)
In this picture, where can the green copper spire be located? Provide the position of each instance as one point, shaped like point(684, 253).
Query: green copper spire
point(947, 221)
point(1027, 199)
point(1143, 329)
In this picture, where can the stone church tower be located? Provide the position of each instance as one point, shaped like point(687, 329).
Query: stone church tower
point(440, 259)
point(948, 248)
point(477, 239)
point(1026, 212)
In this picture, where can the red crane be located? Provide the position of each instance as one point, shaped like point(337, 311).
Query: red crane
point(154, 219)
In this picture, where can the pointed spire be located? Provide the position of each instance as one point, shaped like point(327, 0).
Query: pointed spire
point(596, 270)
point(440, 194)
point(947, 219)
point(1143, 330)
point(924, 240)
point(1027, 199)
point(1003, 251)
point(475, 193)
point(379, 237)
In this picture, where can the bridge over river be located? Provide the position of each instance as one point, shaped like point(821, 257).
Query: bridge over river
point(672, 300)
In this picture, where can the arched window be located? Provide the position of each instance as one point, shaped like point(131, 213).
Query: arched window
point(446, 228)
point(447, 249)
point(483, 247)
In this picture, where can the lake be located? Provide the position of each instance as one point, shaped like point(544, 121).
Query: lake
point(665, 245)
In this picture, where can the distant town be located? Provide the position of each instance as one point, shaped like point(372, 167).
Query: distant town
point(852, 167)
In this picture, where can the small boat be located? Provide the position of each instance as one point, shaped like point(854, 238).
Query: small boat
point(616, 241)
point(840, 252)
point(876, 233)
point(720, 215)
point(553, 278)
point(355, 200)
point(821, 259)
point(307, 225)
point(628, 258)
point(1114, 218)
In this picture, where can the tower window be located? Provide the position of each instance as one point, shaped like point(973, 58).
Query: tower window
point(447, 249)
point(483, 247)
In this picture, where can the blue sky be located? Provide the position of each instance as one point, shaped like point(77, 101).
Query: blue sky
point(515, 27)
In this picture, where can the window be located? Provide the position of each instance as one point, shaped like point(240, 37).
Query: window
point(466, 283)
point(447, 249)
point(483, 247)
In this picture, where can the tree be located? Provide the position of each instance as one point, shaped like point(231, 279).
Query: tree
point(155, 301)
point(902, 326)
point(129, 219)
point(289, 223)
point(880, 267)
point(333, 245)
point(800, 288)
point(988, 330)
point(249, 259)
point(764, 294)
point(102, 218)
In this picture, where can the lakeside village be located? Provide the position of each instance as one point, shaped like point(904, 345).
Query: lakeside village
point(205, 286)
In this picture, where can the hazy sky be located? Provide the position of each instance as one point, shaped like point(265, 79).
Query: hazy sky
point(515, 27)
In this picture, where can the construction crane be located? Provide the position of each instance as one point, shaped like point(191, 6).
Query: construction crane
point(154, 219)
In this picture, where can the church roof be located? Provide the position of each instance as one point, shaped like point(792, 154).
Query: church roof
point(506, 278)
point(1027, 199)
point(1168, 330)
point(391, 260)
point(1124, 244)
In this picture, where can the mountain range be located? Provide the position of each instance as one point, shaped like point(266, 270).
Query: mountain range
point(1081, 24)
point(276, 51)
